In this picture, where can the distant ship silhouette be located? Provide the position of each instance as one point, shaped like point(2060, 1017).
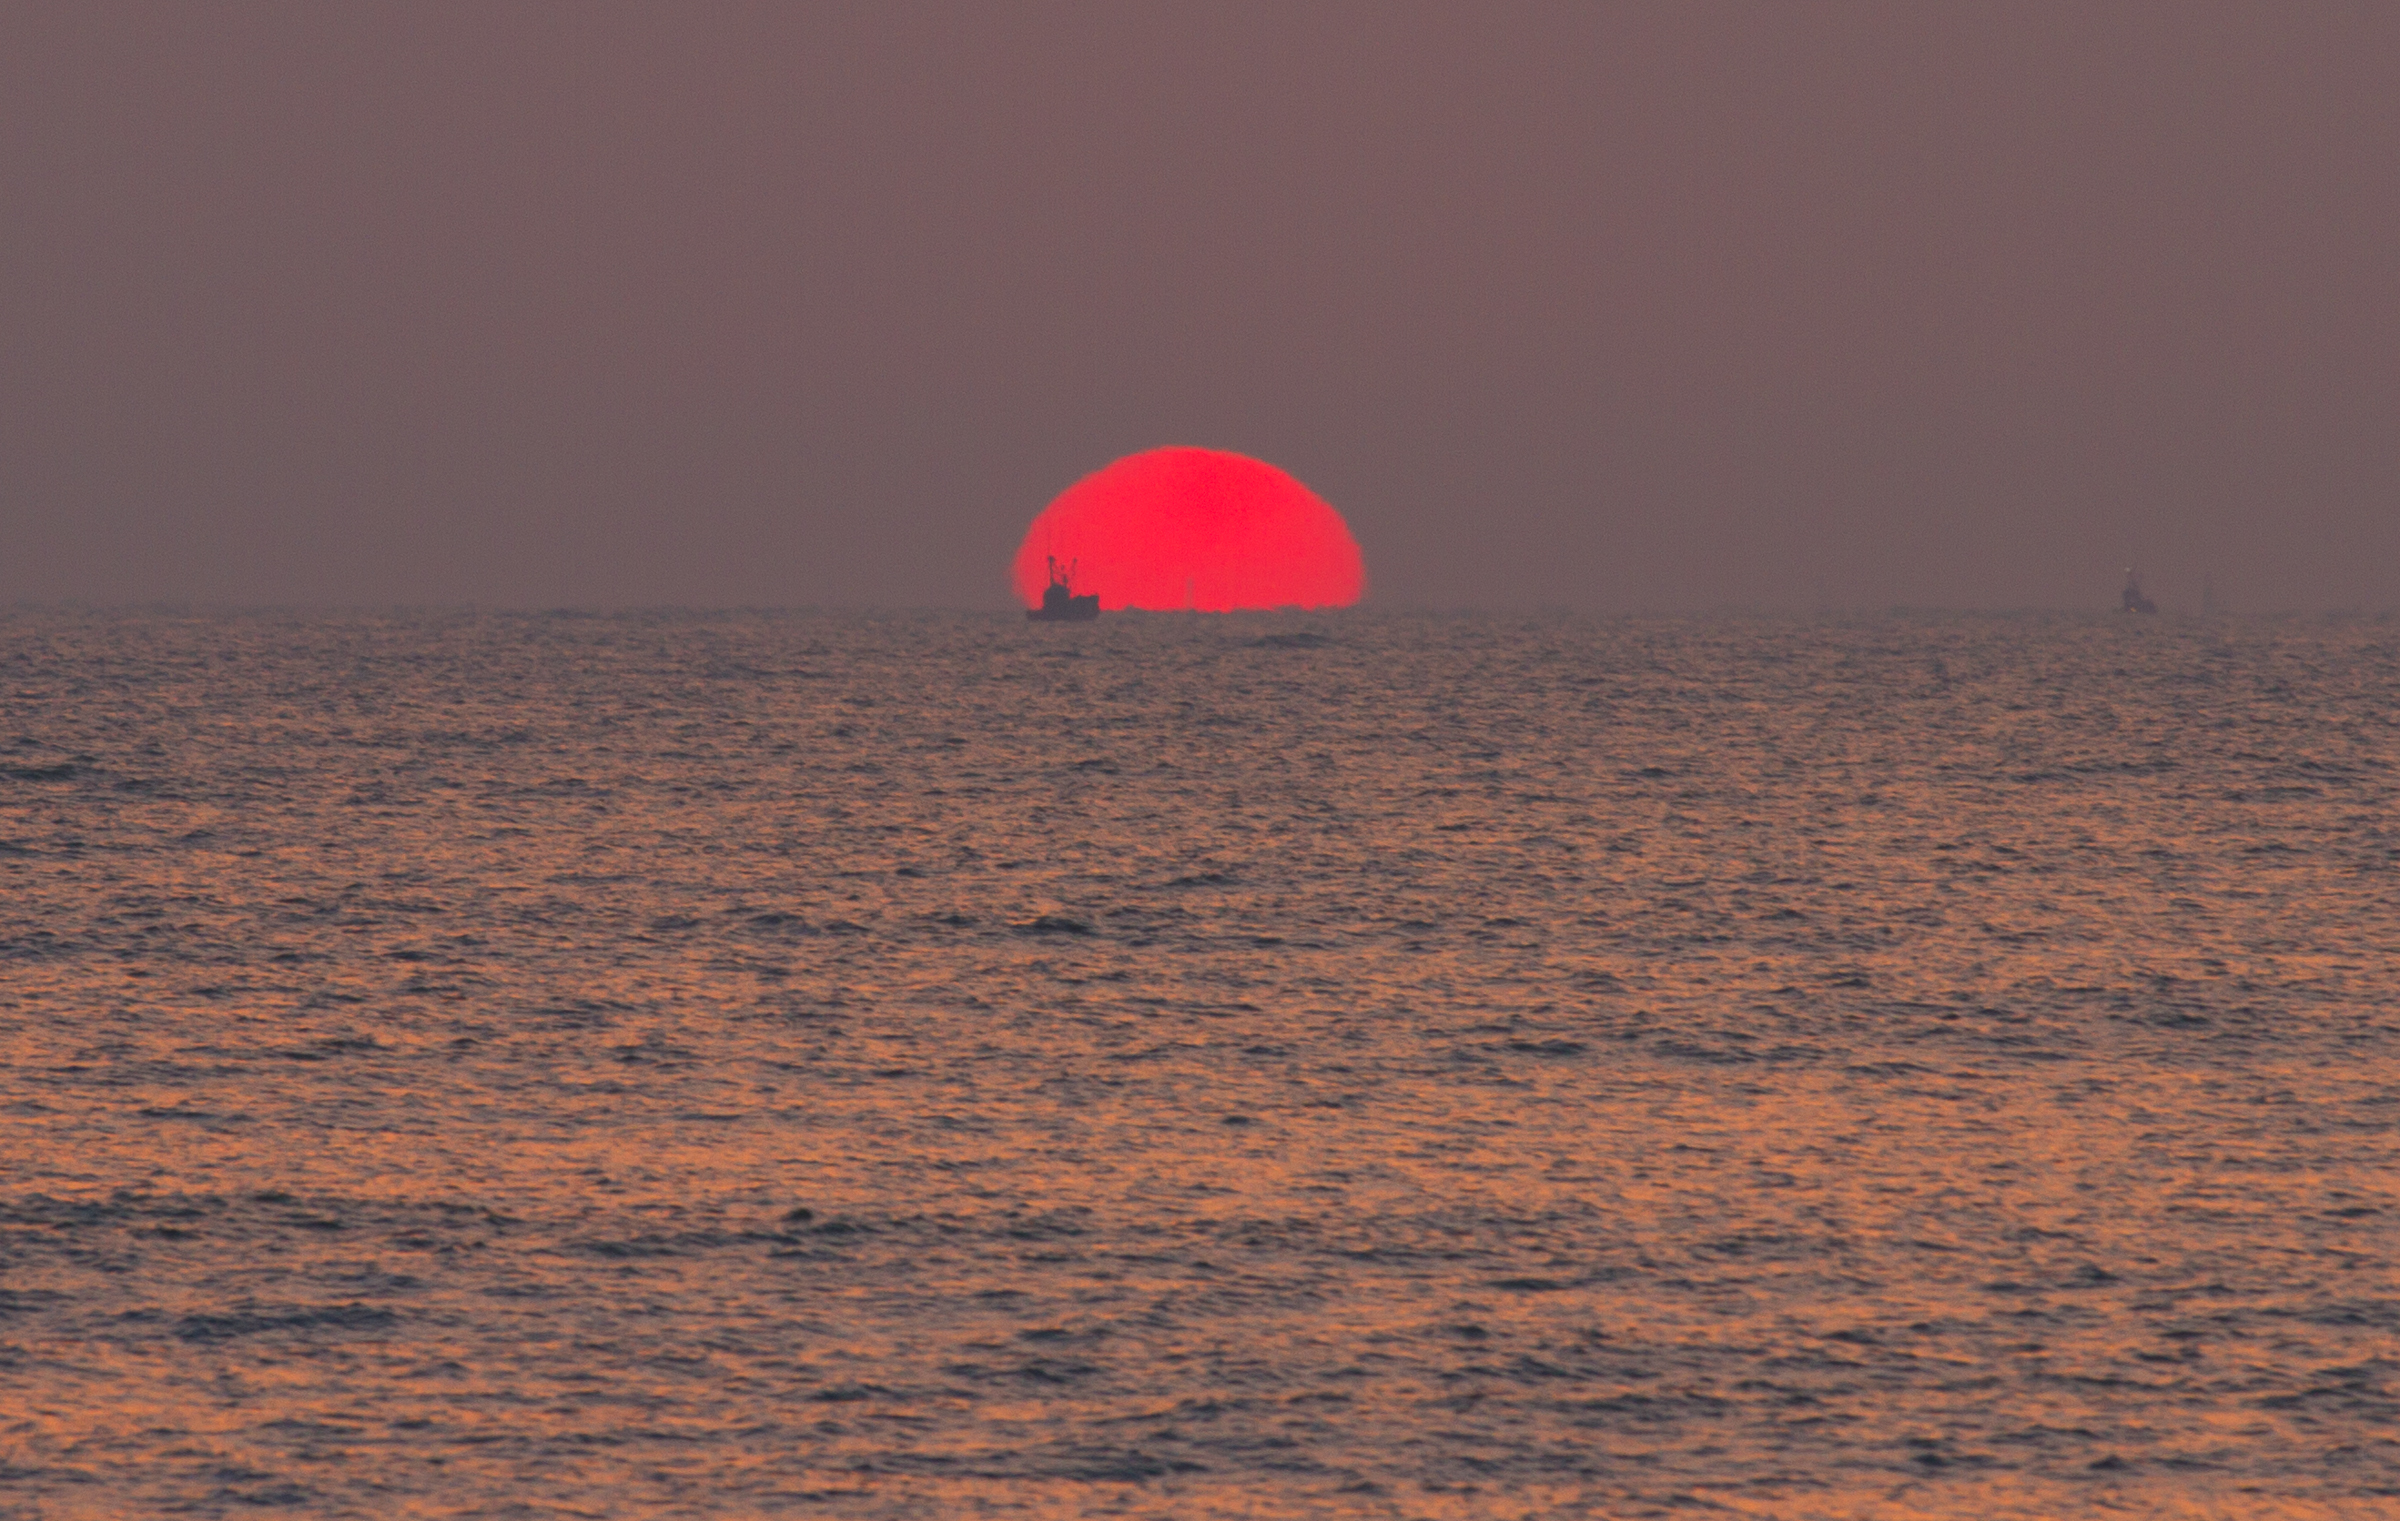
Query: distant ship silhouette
point(2135, 600)
point(1059, 602)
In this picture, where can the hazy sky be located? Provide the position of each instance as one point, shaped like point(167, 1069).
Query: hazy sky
point(1618, 307)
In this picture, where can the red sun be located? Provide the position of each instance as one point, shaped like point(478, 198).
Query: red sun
point(1201, 529)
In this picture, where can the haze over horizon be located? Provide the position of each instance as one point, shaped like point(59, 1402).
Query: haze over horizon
point(1851, 306)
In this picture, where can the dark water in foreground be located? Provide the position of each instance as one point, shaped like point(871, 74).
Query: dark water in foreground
point(1365, 1066)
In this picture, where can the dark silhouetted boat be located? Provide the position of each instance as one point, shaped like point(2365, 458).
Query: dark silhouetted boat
point(1059, 602)
point(2135, 600)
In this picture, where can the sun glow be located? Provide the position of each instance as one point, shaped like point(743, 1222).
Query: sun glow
point(1197, 529)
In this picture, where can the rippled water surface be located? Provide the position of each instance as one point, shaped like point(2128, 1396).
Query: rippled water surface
point(1365, 1066)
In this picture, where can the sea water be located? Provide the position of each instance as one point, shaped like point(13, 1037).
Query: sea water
point(1351, 1066)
